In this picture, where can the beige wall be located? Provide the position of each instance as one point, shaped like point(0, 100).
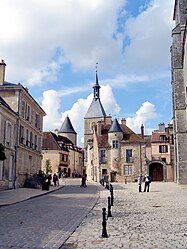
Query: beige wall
point(7, 167)
point(54, 157)
point(28, 154)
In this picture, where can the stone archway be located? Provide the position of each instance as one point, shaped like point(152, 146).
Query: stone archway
point(156, 171)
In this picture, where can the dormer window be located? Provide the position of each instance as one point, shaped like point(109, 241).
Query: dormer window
point(163, 138)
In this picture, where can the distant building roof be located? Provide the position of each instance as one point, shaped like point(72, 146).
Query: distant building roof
point(67, 126)
point(115, 127)
point(50, 142)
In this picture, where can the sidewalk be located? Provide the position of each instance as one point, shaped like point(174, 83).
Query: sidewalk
point(8, 197)
point(157, 219)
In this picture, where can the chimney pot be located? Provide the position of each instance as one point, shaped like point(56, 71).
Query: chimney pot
point(2, 72)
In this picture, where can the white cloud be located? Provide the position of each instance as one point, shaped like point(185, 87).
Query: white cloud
point(51, 105)
point(33, 31)
point(144, 114)
point(150, 39)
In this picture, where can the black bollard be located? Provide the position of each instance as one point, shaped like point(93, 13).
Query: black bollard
point(111, 187)
point(109, 208)
point(112, 196)
point(139, 188)
point(104, 231)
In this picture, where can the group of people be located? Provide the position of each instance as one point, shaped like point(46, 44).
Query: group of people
point(147, 181)
point(56, 178)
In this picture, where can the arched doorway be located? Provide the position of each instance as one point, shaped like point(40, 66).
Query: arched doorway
point(156, 171)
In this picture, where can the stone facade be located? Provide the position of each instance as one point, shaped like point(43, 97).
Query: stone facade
point(160, 153)
point(179, 92)
point(112, 150)
point(29, 128)
point(64, 155)
point(8, 126)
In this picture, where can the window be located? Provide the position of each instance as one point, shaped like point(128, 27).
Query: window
point(8, 134)
point(127, 170)
point(102, 156)
point(21, 134)
point(39, 143)
point(129, 155)
point(35, 142)
point(28, 113)
point(163, 138)
point(104, 171)
point(32, 116)
point(115, 144)
point(64, 158)
point(163, 148)
point(37, 121)
point(27, 137)
point(31, 139)
point(23, 109)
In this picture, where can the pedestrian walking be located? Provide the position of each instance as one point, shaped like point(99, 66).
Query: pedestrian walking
point(55, 179)
point(140, 183)
point(83, 181)
point(147, 180)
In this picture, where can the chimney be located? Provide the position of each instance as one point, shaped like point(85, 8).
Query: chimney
point(109, 119)
point(2, 72)
point(142, 131)
point(123, 121)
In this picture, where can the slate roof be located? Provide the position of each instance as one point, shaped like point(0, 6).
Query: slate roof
point(67, 127)
point(128, 136)
point(51, 142)
point(95, 110)
point(115, 127)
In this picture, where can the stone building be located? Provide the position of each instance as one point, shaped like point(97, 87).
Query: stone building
point(8, 127)
point(179, 90)
point(160, 153)
point(29, 126)
point(112, 150)
point(62, 150)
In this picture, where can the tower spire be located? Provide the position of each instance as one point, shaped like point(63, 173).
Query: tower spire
point(96, 87)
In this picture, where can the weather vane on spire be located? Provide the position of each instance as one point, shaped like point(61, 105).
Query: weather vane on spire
point(96, 66)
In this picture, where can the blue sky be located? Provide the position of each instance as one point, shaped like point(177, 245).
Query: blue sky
point(52, 47)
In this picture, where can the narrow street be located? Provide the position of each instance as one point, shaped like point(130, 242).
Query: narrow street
point(46, 221)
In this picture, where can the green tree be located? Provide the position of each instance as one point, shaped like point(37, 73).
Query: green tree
point(48, 167)
point(2, 152)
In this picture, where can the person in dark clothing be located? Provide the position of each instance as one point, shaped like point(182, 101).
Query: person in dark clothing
point(147, 180)
point(49, 178)
point(83, 181)
point(55, 179)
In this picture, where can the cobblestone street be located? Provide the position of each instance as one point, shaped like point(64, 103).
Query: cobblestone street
point(48, 220)
point(157, 219)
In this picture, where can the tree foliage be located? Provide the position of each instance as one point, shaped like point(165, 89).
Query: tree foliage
point(48, 167)
point(2, 152)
